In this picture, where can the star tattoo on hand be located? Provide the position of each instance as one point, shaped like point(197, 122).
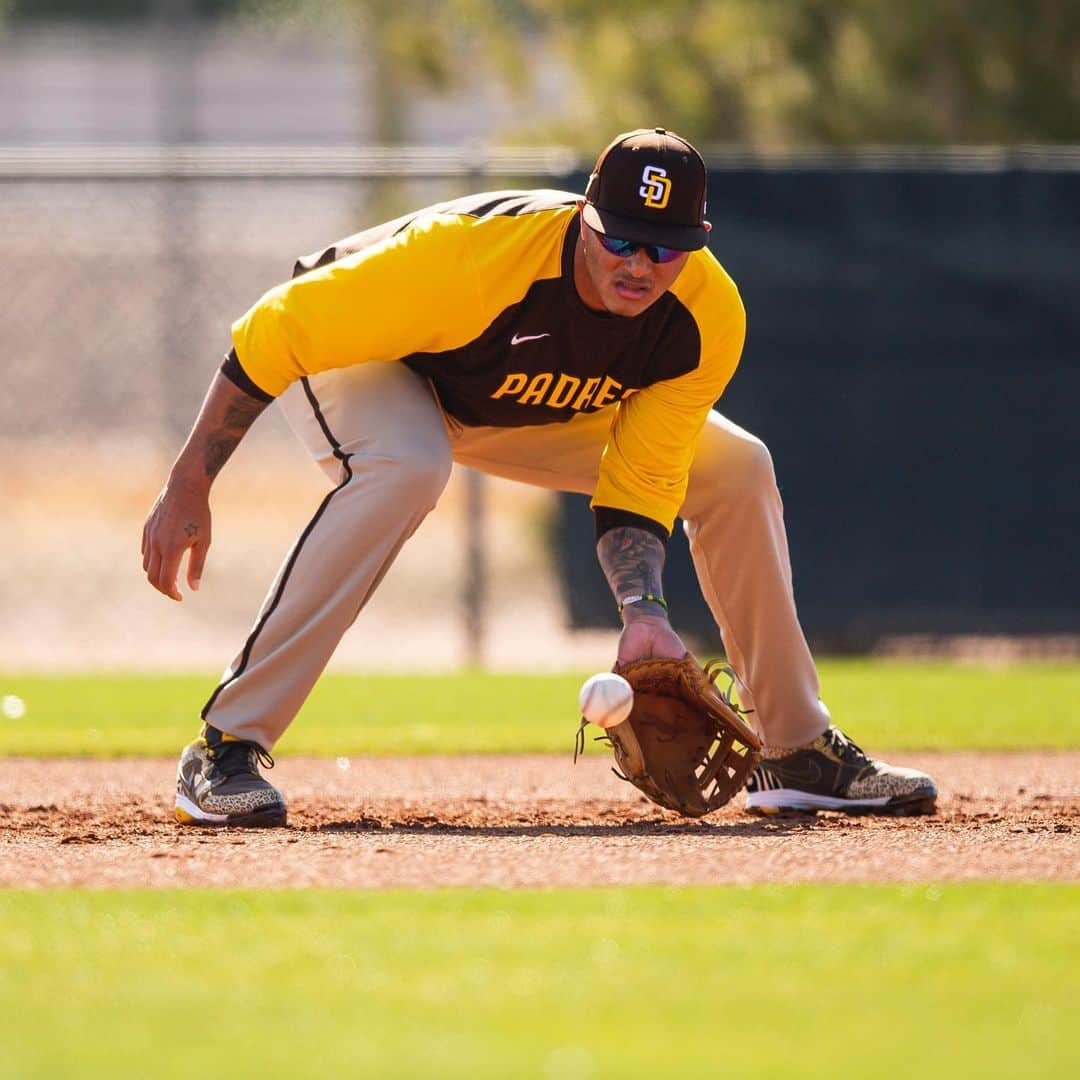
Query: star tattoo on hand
point(191, 529)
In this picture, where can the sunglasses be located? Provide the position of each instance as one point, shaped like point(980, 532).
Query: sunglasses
point(625, 248)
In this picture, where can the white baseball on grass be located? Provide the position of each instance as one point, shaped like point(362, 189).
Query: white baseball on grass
point(606, 699)
point(13, 707)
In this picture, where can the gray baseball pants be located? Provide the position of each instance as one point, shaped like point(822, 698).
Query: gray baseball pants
point(379, 433)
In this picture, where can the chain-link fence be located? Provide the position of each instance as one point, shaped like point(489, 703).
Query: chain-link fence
point(123, 272)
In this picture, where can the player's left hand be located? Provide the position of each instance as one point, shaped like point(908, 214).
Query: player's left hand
point(684, 744)
point(646, 637)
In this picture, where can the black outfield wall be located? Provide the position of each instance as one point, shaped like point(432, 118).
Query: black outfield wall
point(912, 363)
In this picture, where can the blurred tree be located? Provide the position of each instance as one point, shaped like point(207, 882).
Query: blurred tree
point(757, 72)
point(819, 71)
point(411, 46)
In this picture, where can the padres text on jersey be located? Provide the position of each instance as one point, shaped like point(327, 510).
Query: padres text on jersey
point(478, 296)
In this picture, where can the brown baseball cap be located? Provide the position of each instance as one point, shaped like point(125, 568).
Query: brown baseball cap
point(649, 186)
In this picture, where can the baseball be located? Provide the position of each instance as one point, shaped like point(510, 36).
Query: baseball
point(606, 699)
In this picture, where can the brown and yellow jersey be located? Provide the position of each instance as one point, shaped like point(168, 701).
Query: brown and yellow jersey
point(478, 296)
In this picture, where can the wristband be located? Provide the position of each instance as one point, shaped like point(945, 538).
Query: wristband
point(638, 597)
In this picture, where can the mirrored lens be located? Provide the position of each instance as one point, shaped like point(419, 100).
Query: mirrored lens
point(625, 248)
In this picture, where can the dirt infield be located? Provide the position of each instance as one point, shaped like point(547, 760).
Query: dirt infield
point(521, 821)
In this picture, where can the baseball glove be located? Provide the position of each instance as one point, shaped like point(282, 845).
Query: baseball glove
point(684, 744)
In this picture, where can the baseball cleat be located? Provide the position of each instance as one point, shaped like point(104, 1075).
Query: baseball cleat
point(218, 783)
point(832, 773)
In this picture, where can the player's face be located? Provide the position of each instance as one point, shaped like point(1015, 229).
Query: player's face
point(620, 284)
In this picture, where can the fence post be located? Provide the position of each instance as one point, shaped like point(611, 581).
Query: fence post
point(475, 566)
point(185, 370)
point(475, 522)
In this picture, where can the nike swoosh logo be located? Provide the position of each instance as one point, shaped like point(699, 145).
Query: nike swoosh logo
point(517, 339)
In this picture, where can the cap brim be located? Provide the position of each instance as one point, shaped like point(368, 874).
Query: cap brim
point(679, 237)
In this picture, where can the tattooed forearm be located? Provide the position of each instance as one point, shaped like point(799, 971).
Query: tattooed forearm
point(226, 415)
point(633, 562)
point(222, 441)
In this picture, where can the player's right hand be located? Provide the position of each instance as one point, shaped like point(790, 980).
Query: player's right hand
point(178, 521)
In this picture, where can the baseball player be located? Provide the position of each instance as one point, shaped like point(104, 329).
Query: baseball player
point(574, 343)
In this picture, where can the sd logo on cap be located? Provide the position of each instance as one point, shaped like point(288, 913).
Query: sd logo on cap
point(649, 186)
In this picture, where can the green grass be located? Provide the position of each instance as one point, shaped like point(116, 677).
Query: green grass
point(866, 981)
point(884, 704)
